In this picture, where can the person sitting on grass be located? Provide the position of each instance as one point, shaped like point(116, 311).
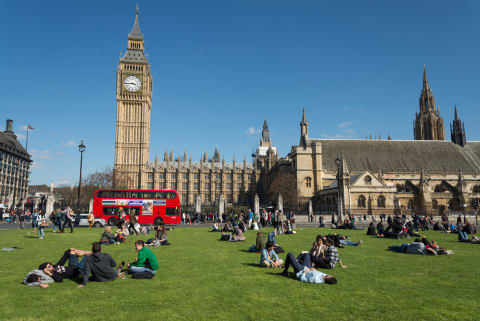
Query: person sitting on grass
point(305, 272)
point(318, 249)
point(371, 229)
point(227, 227)
point(122, 233)
point(380, 230)
point(215, 228)
point(107, 237)
point(101, 266)
point(463, 237)
point(260, 243)
point(433, 248)
point(269, 258)
point(331, 257)
point(146, 263)
point(160, 236)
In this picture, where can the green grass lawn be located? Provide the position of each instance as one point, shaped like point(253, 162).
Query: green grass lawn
point(202, 278)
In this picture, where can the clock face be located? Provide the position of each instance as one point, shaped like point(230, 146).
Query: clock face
point(132, 83)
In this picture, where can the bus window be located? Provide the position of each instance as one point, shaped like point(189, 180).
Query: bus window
point(160, 195)
point(148, 194)
point(132, 210)
point(171, 211)
point(107, 194)
point(171, 195)
point(131, 194)
point(110, 210)
point(119, 194)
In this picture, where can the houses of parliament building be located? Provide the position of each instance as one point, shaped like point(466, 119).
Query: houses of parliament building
point(426, 175)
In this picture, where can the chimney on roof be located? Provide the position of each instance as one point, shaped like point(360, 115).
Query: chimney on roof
point(9, 127)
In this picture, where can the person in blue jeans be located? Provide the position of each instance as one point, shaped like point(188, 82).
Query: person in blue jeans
point(463, 237)
point(398, 248)
point(304, 272)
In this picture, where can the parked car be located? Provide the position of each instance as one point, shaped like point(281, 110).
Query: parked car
point(97, 222)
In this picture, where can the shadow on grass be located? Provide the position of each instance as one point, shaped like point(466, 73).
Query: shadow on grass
point(247, 251)
point(251, 264)
point(30, 237)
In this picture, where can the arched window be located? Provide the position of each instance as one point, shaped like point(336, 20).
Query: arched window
point(400, 188)
point(308, 181)
point(381, 201)
point(438, 189)
point(361, 202)
point(434, 204)
point(368, 180)
point(476, 189)
point(410, 204)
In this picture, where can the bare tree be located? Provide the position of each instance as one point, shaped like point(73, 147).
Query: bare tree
point(285, 184)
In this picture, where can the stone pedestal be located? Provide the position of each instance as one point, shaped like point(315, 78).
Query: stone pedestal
point(280, 203)
point(221, 205)
point(256, 206)
point(198, 204)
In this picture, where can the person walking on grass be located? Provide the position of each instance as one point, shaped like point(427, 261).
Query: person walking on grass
point(35, 219)
point(42, 224)
point(68, 220)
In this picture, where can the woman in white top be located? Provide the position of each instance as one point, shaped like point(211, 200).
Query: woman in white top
point(42, 220)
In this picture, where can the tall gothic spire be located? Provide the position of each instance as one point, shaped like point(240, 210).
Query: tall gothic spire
point(303, 129)
point(136, 33)
point(425, 80)
point(457, 131)
point(428, 123)
point(265, 135)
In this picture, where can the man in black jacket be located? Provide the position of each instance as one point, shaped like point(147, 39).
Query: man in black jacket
point(59, 271)
point(101, 266)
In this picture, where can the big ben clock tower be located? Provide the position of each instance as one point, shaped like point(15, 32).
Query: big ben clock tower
point(134, 100)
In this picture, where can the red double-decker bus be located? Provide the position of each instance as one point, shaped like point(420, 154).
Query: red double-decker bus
point(150, 206)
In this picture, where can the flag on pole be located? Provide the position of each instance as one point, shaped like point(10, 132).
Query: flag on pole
point(29, 127)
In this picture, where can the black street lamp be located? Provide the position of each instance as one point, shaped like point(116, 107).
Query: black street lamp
point(81, 149)
point(340, 201)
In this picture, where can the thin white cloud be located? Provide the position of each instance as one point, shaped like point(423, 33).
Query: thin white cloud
point(345, 124)
point(69, 143)
point(61, 182)
point(337, 136)
point(41, 154)
point(37, 165)
point(21, 136)
point(60, 153)
point(253, 131)
point(23, 128)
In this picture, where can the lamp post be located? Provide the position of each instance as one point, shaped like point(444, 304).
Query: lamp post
point(81, 149)
point(464, 209)
point(339, 162)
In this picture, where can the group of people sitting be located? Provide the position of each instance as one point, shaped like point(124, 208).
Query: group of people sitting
point(122, 233)
point(397, 228)
point(93, 265)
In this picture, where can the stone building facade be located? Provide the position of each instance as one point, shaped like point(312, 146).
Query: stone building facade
point(14, 168)
point(208, 178)
point(425, 175)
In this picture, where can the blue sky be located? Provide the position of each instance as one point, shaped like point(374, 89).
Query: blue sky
point(221, 67)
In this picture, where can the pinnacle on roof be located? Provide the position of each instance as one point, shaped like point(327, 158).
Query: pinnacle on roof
point(136, 33)
point(425, 80)
point(304, 117)
point(456, 114)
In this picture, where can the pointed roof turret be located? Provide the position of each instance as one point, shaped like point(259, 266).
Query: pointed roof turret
point(304, 117)
point(425, 80)
point(136, 34)
point(456, 114)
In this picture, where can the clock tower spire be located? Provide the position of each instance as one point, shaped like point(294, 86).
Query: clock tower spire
point(134, 101)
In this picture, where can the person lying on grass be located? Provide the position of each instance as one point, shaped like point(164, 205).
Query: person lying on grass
point(341, 240)
point(100, 265)
point(269, 258)
point(463, 237)
point(145, 262)
point(305, 272)
point(433, 248)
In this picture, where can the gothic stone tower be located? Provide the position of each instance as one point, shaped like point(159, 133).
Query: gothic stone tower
point(428, 124)
point(457, 131)
point(134, 101)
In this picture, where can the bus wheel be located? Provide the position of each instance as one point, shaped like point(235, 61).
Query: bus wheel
point(112, 221)
point(97, 224)
point(158, 221)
